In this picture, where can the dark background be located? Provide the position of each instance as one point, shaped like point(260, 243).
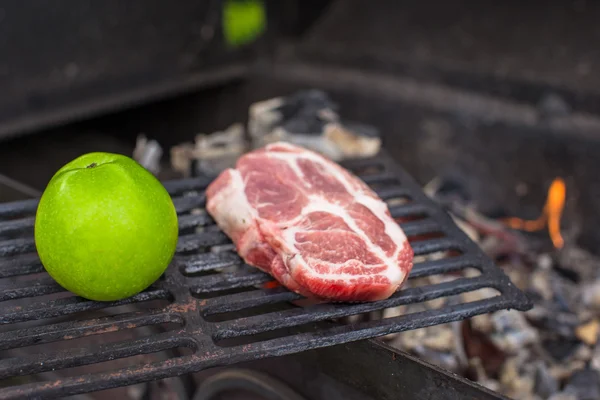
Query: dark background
point(501, 96)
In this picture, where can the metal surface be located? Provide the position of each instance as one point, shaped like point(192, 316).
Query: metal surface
point(249, 381)
point(387, 374)
point(226, 315)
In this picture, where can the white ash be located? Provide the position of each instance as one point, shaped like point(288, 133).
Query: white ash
point(148, 153)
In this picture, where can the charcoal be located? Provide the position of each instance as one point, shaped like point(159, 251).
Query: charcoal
point(518, 379)
point(566, 293)
point(477, 373)
point(437, 338)
point(595, 359)
point(310, 119)
point(563, 372)
point(540, 284)
point(560, 349)
point(512, 331)
point(545, 384)
point(445, 360)
point(551, 320)
point(452, 189)
point(584, 384)
point(583, 353)
point(304, 112)
point(576, 262)
point(211, 153)
point(591, 295)
point(541, 351)
point(567, 273)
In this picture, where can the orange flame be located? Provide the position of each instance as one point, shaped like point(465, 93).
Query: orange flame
point(551, 215)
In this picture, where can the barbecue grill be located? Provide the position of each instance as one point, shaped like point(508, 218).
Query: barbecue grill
point(221, 309)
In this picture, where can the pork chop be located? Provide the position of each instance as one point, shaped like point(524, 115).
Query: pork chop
point(311, 224)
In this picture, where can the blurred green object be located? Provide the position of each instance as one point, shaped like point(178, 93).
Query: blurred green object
point(243, 21)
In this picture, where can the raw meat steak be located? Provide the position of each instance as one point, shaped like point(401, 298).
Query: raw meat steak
point(312, 225)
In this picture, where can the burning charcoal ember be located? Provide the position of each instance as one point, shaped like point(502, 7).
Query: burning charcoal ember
point(148, 154)
point(211, 153)
point(309, 119)
point(547, 352)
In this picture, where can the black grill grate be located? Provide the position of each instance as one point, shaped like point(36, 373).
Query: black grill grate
point(222, 312)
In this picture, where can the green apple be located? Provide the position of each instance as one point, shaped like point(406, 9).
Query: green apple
point(105, 227)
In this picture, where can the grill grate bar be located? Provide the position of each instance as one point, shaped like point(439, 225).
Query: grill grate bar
point(209, 261)
point(200, 240)
point(107, 380)
point(434, 245)
point(409, 210)
point(20, 366)
point(220, 301)
point(194, 220)
point(228, 281)
point(18, 208)
point(21, 265)
point(13, 247)
point(17, 270)
point(300, 316)
point(24, 225)
point(271, 348)
point(71, 305)
point(420, 227)
point(76, 329)
point(188, 203)
point(38, 289)
point(386, 179)
point(241, 301)
point(179, 186)
point(452, 264)
point(393, 192)
point(365, 330)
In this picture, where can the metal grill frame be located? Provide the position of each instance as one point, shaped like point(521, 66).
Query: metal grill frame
point(193, 300)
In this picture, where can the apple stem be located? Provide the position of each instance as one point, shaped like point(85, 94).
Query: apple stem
point(92, 165)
